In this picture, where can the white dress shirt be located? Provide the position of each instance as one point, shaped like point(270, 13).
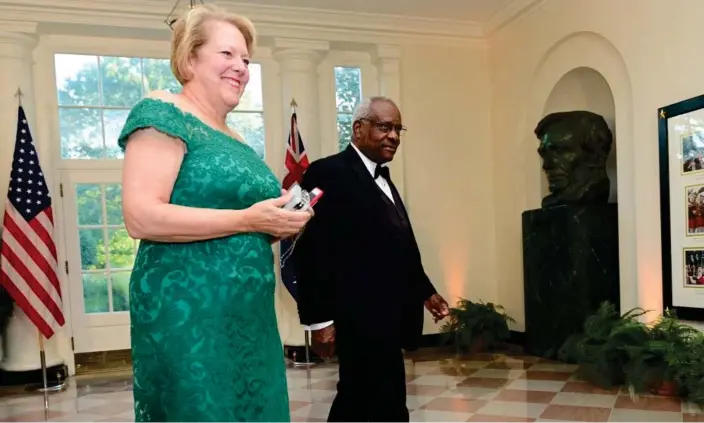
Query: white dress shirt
point(385, 187)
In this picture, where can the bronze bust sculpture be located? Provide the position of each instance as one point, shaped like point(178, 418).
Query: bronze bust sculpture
point(574, 147)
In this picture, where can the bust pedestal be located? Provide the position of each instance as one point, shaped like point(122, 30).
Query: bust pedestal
point(570, 266)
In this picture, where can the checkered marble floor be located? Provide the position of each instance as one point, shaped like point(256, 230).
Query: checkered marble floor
point(479, 388)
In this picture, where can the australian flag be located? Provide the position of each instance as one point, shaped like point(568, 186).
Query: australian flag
point(295, 166)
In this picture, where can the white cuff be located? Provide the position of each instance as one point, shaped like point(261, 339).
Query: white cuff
point(318, 326)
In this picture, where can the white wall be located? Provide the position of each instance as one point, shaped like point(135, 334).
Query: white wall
point(450, 199)
point(649, 53)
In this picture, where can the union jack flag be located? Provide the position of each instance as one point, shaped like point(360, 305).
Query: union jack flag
point(295, 165)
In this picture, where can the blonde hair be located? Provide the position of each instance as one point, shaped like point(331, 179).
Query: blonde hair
point(190, 32)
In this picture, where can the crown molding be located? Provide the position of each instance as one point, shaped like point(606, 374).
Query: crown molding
point(287, 22)
point(297, 44)
point(272, 21)
point(508, 14)
point(23, 27)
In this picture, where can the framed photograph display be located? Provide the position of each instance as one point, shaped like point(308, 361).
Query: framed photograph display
point(681, 141)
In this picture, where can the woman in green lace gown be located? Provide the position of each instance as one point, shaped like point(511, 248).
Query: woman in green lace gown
point(205, 341)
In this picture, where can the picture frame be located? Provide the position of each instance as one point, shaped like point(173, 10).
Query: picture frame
point(681, 155)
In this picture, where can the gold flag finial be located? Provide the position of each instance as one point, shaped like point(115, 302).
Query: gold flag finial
point(19, 95)
point(293, 103)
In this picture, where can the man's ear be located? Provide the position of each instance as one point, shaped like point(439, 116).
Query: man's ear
point(356, 129)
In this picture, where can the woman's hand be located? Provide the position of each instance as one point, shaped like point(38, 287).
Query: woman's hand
point(269, 217)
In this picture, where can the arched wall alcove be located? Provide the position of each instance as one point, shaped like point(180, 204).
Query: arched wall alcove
point(585, 89)
point(593, 58)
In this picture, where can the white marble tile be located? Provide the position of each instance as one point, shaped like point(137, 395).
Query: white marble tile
point(310, 395)
point(414, 402)
point(438, 380)
point(513, 409)
point(438, 416)
point(316, 411)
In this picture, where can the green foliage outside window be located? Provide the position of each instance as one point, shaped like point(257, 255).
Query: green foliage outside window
point(348, 94)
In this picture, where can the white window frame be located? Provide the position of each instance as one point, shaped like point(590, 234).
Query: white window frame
point(328, 109)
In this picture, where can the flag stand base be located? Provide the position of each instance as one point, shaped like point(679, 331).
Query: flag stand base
point(46, 387)
point(307, 361)
point(51, 387)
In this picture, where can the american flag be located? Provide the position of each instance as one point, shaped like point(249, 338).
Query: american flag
point(28, 263)
point(296, 164)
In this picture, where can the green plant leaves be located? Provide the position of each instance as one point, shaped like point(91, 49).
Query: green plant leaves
point(614, 349)
point(469, 322)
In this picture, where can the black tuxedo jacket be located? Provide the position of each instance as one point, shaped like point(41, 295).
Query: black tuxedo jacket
point(355, 262)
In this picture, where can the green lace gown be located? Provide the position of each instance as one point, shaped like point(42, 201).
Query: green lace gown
point(205, 342)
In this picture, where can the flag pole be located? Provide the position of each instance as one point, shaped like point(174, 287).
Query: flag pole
point(306, 333)
point(19, 95)
point(42, 359)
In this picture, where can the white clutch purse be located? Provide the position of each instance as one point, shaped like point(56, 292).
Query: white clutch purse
point(302, 200)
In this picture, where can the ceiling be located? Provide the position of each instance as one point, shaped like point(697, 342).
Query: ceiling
point(479, 11)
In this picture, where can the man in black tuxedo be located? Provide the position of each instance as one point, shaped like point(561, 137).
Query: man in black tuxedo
point(361, 283)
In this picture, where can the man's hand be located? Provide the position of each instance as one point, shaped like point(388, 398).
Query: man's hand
point(323, 341)
point(437, 306)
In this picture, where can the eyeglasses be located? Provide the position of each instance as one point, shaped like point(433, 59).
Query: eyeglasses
point(386, 127)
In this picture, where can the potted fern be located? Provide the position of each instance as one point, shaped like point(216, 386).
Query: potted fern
point(687, 368)
point(476, 326)
point(601, 350)
point(647, 369)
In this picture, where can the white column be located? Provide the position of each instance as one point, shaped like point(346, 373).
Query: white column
point(389, 71)
point(20, 346)
point(298, 61)
point(15, 72)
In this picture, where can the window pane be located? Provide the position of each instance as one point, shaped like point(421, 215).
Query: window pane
point(253, 99)
point(81, 133)
point(120, 291)
point(113, 203)
point(344, 130)
point(92, 249)
point(121, 247)
point(158, 76)
point(77, 80)
point(121, 80)
point(114, 120)
point(89, 204)
point(251, 127)
point(348, 88)
point(95, 293)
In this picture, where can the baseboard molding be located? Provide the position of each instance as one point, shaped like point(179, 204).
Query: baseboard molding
point(517, 338)
point(54, 374)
